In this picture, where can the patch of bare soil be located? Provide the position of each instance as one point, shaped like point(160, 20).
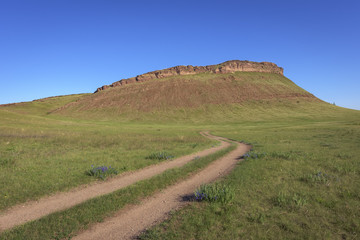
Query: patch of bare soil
point(131, 221)
point(33, 210)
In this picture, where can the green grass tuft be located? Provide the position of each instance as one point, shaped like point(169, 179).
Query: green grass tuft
point(163, 155)
point(215, 192)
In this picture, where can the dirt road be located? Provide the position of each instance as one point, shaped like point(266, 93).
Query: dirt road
point(131, 221)
point(33, 210)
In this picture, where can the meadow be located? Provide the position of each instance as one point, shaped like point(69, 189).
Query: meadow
point(42, 154)
point(303, 183)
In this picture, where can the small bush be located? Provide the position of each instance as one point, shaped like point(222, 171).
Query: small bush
point(215, 193)
point(160, 156)
point(102, 172)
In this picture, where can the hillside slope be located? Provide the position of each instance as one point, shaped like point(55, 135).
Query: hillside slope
point(174, 94)
point(40, 107)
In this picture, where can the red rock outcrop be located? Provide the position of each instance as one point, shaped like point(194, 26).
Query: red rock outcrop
point(226, 67)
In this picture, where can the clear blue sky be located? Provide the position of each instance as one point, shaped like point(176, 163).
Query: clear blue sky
point(58, 47)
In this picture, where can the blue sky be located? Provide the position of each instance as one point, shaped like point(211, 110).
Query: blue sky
point(60, 47)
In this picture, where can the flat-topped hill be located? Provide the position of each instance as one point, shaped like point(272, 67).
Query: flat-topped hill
point(185, 91)
point(224, 92)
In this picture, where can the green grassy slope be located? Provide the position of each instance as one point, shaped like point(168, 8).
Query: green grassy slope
point(43, 106)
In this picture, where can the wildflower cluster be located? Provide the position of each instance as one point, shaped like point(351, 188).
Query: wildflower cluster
point(102, 171)
point(160, 156)
point(319, 177)
point(200, 195)
point(253, 155)
point(214, 193)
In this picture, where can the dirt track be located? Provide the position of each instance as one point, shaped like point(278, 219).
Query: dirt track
point(131, 221)
point(23, 213)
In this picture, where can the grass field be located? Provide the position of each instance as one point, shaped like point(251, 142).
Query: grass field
point(65, 224)
point(40, 155)
point(305, 185)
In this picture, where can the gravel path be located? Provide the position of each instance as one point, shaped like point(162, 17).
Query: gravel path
point(33, 210)
point(131, 221)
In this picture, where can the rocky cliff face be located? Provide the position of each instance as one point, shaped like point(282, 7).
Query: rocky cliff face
point(226, 67)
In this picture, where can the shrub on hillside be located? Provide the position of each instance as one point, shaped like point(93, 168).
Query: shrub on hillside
point(215, 193)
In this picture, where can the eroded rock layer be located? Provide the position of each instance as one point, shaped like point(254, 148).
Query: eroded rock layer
point(226, 67)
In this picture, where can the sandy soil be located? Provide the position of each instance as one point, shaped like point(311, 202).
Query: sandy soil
point(32, 210)
point(131, 221)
